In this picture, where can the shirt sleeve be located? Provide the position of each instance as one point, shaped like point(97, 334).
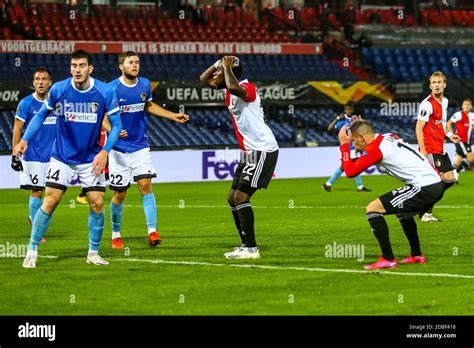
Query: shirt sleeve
point(52, 97)
point(21, 111)
point(339, 125)
point(424, 111)
point(456, 117)
point(251, 90)
point(111, 103)
point(353, 168)
point(149, 95)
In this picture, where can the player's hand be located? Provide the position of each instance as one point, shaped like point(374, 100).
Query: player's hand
point(355, 118)
point(180, 118)
point(20, 148)
point(123, 134)
point(99, 162)
point(17, 166)
point(344, 137)
point(228, 61)
point(455, 138)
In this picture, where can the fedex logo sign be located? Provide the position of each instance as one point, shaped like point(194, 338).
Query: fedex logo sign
point(215, 164)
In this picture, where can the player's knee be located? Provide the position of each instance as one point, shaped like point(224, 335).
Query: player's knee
point(374, 206)
point(97, 205)
point(36, 194)
point(118, 197)
point(240, 197)
point(230, 198)
point(50, 203)
point(144, 187)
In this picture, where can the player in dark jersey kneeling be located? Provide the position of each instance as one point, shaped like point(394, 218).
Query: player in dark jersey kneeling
point(398, 159)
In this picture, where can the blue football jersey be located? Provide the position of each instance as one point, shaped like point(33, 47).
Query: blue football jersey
point(132, 101)
point(345, 122)
point(41, 145)
point(79, 116)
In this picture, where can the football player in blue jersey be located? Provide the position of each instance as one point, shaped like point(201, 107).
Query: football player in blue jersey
point(342, 122)
point(130, 158)
point(35, 162)
point(80, 104)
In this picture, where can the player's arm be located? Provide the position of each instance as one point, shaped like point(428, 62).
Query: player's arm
point(353, 168)
point(17, 129)
point(231, 82)
point(333, 123)
point(449, 131)
point(206, 77)
point(100, 160)
point(33, 128)
point(156, 110)
point(108, 127)
point(420, 125)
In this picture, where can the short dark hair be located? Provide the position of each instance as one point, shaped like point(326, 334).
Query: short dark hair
point(361, 124)
point(42, 69)
point(467, 99)
point(125, 55)
point(350, 104)
point(78, 54)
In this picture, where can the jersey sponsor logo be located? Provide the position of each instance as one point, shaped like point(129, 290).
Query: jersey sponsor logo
point(80, 117)
point(50, 120)
point(132, 108)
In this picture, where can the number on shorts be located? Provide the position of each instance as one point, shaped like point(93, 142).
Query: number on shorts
point(34, 179)
point(55, 175)
point(248, 169)
point(119, 179)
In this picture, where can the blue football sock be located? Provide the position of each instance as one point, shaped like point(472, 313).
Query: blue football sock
point(34, 205)
point(40, 225)
point(96, 227)
point(358, 180)
point(335, 176)
point(116, 216)
point(149, 206)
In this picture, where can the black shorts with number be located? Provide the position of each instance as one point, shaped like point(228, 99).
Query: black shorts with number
point(441, 162)
point(462, 149)
point(410, 200)
point(255, 171)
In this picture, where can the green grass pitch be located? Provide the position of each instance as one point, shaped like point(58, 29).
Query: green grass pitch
point(296, 224)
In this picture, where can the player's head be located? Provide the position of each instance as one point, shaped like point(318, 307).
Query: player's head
point(466, 105)
point(437, 83)
point(81, 66)
point(349, 108)
point(219, 77)
point(42, 81)
point(129, 64)
point(361, 133)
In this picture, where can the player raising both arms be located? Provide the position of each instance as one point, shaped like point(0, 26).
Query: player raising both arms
point(397, 158)
point(35, 161)
point(463, 119)
point(80, 104)
point(130, 157)
point(430, 133)
point(257, 142)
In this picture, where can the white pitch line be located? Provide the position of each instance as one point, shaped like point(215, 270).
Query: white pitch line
point(334, 270)
point(253, 206)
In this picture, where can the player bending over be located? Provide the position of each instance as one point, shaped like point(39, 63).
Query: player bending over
point(256, 140)
point(398, 159)
point(463, 119)
point(130, 157)
point(430, 133)
point(80, 104)
point(34, 165)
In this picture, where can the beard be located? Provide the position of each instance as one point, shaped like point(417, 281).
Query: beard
point(130, 76)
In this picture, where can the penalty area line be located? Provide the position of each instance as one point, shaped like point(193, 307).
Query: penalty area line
point(289, 268)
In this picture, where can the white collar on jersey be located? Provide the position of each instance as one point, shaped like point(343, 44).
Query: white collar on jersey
point(36, 97)
point(129, 86)
point(85, 90)
point(244, 81)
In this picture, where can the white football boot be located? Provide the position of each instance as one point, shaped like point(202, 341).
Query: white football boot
point(96, 259)
point(243, 253)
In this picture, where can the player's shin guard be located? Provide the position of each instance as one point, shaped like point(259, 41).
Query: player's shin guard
point(411, 232)
point(246, 218)
point(380, 229)
point(96, 227)
point(40, 225)
point(235, 214)
point(149, 206)
point(34, 205)
point(335, 176)
point(116, 216)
